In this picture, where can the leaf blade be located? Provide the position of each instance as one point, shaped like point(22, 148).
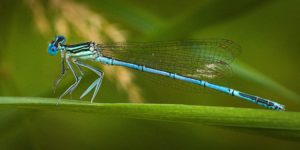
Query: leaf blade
point(208, 115)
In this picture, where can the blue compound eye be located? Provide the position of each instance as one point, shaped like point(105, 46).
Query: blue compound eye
point(52, 49)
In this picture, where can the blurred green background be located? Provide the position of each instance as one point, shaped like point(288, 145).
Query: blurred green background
point(267, 30)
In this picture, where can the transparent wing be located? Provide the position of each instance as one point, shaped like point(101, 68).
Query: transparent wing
point(199, 59)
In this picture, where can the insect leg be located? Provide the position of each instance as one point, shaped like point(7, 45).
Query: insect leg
point(77, 79)
point(96, 83)
point(62, 74)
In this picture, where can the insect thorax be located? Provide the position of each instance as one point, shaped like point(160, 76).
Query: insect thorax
point(83, 50)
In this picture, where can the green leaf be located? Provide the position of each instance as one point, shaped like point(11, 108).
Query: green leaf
point(208, 115)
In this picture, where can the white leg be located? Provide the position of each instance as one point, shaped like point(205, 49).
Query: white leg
point(74, 85)
point(96, 83)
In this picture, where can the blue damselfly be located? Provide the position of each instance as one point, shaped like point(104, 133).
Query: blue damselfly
point(190, 61)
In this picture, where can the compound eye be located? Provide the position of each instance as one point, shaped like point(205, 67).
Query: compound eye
point(52, 50)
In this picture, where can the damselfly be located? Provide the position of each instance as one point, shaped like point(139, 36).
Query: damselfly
point(189, 61)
